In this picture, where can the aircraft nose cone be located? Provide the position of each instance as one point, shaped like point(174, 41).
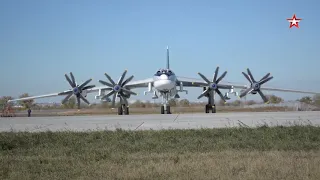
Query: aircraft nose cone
point(164, 77)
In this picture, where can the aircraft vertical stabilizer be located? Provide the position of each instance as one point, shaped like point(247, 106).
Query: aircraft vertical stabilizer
point(168, 63)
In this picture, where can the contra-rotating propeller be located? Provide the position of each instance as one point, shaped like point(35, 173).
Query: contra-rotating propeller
point(76, 90)
point(255, 85)
point(118, 89)
point(214, 85)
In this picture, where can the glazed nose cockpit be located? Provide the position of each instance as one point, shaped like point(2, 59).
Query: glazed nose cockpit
point(166, 72)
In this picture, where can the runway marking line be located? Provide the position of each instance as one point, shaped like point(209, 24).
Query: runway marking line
point(138, 126)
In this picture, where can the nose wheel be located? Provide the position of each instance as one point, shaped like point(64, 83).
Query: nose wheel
point(209, 107)
point(123, 110)
point(165, 110)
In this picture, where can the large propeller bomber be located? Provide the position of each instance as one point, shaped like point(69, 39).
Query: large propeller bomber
point(120, 90)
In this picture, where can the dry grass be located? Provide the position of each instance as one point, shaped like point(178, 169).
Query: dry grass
point(235, 153)
point(212, 165)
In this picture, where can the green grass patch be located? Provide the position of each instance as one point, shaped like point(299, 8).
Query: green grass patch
point(148, 154)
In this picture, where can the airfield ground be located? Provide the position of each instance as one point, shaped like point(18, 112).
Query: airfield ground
point(155, 110)
point(284, 145)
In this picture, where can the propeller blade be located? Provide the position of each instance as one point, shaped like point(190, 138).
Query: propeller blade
point(128, 91)
point(89, 87)
point(84, 99)
point(250, 74)
point(66, 92)
point(85, 83)
point(78, 101)
point(215, 75)
point(112, 82)
point(204, 93)
point(122, 77)
point(127, 80)
point(264, 77)
point(246, 75)
point(66, 98)
point(107, 95)
point(106, 83)
point(265, 80)
point(69, 81)
point(220, 94)
point(204, 78)
point(221, 77)
point(114, 99)
point(246, 92)
point(263, 96)
point(73, 80)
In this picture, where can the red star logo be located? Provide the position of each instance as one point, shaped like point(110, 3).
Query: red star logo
point(294, 21)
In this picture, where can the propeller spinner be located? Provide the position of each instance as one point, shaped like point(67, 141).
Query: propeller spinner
point(214, 85)
point(118, 89)
point(255, 85)
point(76, 90)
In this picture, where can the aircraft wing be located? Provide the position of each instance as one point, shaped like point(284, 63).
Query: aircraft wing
point(139, 83)
point(63, 93)
point(193, 82)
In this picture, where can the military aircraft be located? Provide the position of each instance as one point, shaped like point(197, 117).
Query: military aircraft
point(164, 84)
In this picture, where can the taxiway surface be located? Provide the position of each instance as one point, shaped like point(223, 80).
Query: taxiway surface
point(158, 121)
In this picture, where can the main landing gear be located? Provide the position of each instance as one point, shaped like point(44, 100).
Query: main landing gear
point(165, 109)
point(123, 110)
point(209, 107)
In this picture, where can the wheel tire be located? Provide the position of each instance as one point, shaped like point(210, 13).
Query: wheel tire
point(126, 110)
point(162, 109)
point(207, 108)
point(168, 110)
point(120, 110)
point(214, 109)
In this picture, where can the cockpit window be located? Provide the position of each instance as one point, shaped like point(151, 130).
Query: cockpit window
point(164, 71)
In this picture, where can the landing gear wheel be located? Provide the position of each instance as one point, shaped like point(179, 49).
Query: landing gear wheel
point(120, 110)
point(214, 109)
point(168, 110)
point(162, 109)
point(207, 109)
point(126, 110)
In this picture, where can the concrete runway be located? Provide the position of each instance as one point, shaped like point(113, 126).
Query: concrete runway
point(158, 121)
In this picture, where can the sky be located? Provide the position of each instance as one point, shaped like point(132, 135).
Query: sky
point(40, 41)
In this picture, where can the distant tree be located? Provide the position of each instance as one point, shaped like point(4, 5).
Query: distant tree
point(236, 103)
point(138, 104)
point(148, 104)
point(184, 102)
point(26, 103)
point(274, 99)
point(316, 99)
point(306, 99)
point(172, 102)
point(4, 101)
point(70, 104)
point(221, 103)
point(251, 102)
